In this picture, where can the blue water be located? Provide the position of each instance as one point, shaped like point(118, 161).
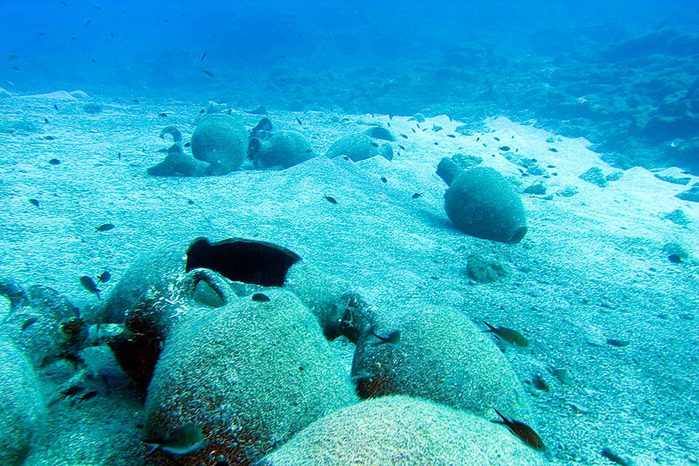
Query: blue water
point(137, 46)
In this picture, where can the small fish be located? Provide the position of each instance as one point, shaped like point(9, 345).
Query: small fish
point(187, 144)
point(451, 136)
point(12, 57)
point(525, 433)
point(504, 148)
point(330, 199)
point(203, 56)
point(89, 284)
point(55, 107)
point(87, 395)
point(208, 73)
point(93, 60)
point(384, 180)
point(261, 298)
point(181, 441)
point(46, 122)
point(55, 162)
point(28, 323)
point(98, 8)
point(64, 3)
point(413, 130)
point(104, 277)
point(509, 335)
point(162, 114)
point(553, 149)
point(416, 195)
point(88, 22)
point(105, 227)
point(299, 121)
point(496, 138)
point(16, 68)
point(72, 390)
point(49, 138)
point(112, 35)
point(478, 138)
point(403, 136)
point(390, 339)
point(34, 202)
point(402, 146)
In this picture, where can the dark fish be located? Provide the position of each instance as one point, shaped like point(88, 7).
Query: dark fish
point(451, 136)
point(330, 199)
point(504, 148)
point(208, 73)
point(16, 68)
point(88, 22)
point(72, 390)
point(375, 144)
point(403, 136)
point(299, 121)
point(90, 285)
point(525, 433)
point(112, 35)
point(34, 202)
point(104, 277)
point(64, 3)
point(496, 138)
point(261, 298)
point(187, 144)
point(87, 395)
point(509, 335)
point(46, 122)
point(181, 441)
point(384, 180)
point(413, 130)
point(674, 258)
point(402, 146)
point(93, 60)
point(391, 339)
point(162, 114)
point(12, 57)
point(28, 323)
point(105, 227)
point(55, 107)
point(203, 56)
point(478, 138)
point(616, 342)
point(416, 195)
point(98, 8)
point(553, 149)
point(49, 138)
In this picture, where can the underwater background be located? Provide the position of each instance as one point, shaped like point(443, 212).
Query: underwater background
point(297, 232)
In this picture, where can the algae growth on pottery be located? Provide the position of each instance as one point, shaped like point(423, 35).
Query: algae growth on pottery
point(340, 232)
